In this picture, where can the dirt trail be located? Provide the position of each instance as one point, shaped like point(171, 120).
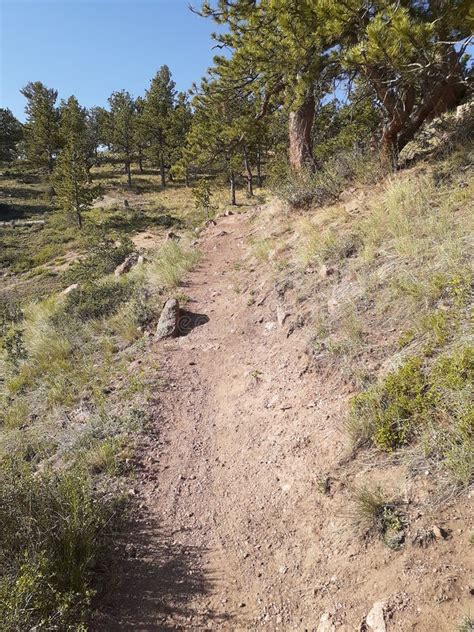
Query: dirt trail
point(233, 532)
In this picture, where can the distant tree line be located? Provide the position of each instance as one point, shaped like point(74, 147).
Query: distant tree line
point(302, 77)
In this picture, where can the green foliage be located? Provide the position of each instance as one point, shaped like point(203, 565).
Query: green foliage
point(324, 186)
point(374, 513)
point(70, 177)
point(42, 138)
point(54, 529)
point(11, 133)
point(202, 197)
point(171, 264)
point(104, 255)
point(467, 624)
point(120, 127)
point(415, 397)
point(157, 126)
point(95, 300)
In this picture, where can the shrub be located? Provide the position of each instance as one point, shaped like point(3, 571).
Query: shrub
point(54, 530)
point(103, 258)
point(374, 513)
point(96, 300)
point(411, 398)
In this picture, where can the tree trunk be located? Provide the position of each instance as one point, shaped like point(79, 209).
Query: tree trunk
point(249, 174)
point(129, 174)
point(186, 178)
point(140, 161)
point(162, 172)
point(300, 125)
point(232, 188)
point(259, 166)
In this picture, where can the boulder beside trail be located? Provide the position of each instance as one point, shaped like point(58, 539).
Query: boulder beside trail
point(168, 323)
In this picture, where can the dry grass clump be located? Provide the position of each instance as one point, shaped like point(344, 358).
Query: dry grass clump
point(373, 513)
point(170, 265)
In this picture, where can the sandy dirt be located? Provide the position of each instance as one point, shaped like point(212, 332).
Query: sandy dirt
point(232, 530)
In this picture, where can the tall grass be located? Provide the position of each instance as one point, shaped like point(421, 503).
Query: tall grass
point(171, 264)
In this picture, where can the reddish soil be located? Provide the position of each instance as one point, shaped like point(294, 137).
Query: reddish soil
point(233, 530)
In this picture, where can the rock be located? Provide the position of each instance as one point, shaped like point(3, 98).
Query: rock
point(439, 533)
point(351, 206)
point(376, 617)
point(325, 271)
point(70, 289)
point(281, 315)
point(140, 260)
point(229, 212)
point(126, 265)
point(325, 623)
point(172, 236)
point(168, 323)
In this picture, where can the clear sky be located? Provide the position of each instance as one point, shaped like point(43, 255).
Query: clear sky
point(90, 48)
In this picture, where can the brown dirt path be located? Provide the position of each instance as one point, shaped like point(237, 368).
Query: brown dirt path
point(233, 532)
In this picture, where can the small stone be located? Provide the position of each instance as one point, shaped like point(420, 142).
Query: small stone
point(376, 617)
point(70, 289)
point(126, 265)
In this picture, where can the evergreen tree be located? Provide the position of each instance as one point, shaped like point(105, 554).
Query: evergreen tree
point(141, 139)
point(11, 133)
point(157, 120)
point(181, 124)
point(292, 52)
point(74, 194)
point(121, 128)
point(94, 136)
point(42, 126)
point(215, 138)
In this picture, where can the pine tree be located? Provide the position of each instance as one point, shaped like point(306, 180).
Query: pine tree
point(215, 138)
point(181, 124)
point(411, 54)
point(120, 126)
point(42, 126)
point(11, 133)
point(74, 195)
point(157, 119)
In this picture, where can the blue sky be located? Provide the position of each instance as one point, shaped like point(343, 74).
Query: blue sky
point(91, 47)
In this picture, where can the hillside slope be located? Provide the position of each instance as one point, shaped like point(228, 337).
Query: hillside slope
point(256, 500)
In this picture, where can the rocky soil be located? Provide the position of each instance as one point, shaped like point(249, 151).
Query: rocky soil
point(243, 483)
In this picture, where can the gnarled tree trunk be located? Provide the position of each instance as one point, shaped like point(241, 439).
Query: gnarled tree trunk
point(300, 125)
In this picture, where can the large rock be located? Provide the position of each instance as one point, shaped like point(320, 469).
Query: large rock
point(168, 323)
point(126, 265)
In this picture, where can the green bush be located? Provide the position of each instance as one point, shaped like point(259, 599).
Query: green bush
point(391, 413)
point(104, 256)
point(96, 300)
point(54, 530)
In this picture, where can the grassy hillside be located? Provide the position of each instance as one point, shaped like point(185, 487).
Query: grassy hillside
point(78, 374)
point(377, 268)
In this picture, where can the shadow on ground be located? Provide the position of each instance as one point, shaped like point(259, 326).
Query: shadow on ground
point(159, 579)
point(189, 321)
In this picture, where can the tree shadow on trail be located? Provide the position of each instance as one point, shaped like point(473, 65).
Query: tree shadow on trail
point(158, 581)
